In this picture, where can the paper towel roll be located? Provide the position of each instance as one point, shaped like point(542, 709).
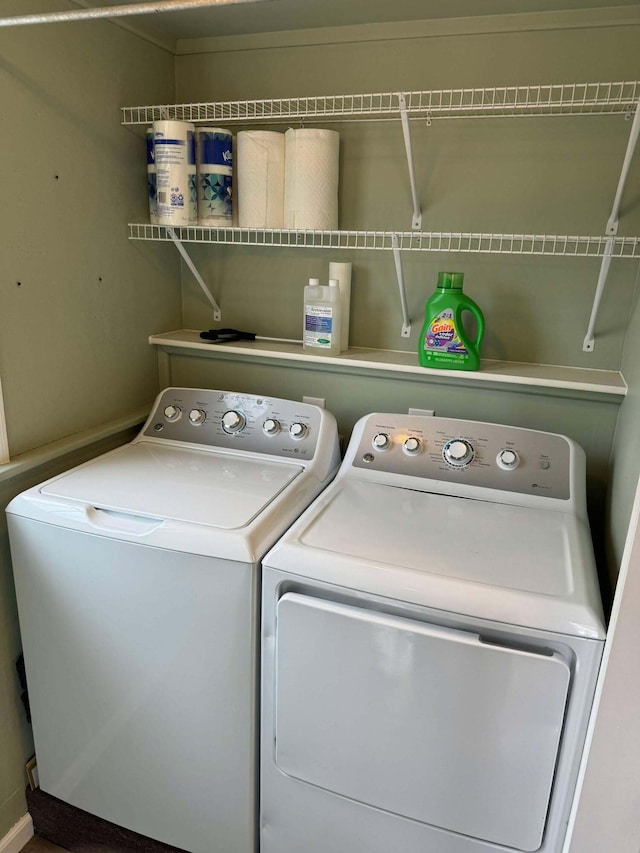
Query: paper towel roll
point(151, 179)
point(215, 174)
point(260, 178)
point(175, 176)
point(311, 179)
point(342, 272)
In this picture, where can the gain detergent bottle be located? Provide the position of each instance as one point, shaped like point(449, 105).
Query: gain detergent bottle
point(443, 341)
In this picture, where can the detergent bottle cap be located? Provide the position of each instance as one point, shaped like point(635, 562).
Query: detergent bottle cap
point(450, 280)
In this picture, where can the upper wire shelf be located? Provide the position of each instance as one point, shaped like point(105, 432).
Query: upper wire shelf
point(420, 241)
point(538, 100)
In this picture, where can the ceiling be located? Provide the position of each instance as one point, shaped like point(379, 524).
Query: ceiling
point(281, 15)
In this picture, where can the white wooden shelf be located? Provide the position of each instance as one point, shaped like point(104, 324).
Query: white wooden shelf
point(573, 381)
point(497, 101)
point(415, 241)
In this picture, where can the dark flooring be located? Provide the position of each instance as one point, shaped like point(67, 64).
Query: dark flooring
point(40, 845)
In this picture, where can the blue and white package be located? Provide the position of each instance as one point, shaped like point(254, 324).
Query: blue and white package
point(172, 143)
point(151, 179)
point(214, 154)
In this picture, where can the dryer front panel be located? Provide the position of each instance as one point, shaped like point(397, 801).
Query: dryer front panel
point(429, 723)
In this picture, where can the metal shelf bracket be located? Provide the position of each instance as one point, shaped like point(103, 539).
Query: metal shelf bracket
point(416, 221)
point(406, 322)
point(588, 344)
point(217, 314)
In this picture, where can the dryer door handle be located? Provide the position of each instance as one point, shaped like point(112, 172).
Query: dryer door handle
point(121, 522)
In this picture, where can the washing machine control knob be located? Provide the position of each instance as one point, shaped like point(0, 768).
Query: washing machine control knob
point(172, 413)
point(381, 441)
point(233, 421)
point(508, 460)
point(298, 430)
point(412, 446)
point(197, 417)
point(271, 426)
point(458, 452)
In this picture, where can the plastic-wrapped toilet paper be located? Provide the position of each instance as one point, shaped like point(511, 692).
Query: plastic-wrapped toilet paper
point(151, 179)
point(214, 155)
point(174, 147)
point(311, 179)
point(260, 178)
point(342, 273)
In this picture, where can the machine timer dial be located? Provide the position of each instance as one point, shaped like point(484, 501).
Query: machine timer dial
point(458, 452)
point(271, 426)
point(233, 421)
point(197, 417)
point(412, 446)
point(172, 413)
point(298, 430)
point(507, 459)
point(381, 441)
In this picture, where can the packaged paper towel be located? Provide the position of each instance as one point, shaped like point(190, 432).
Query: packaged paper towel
point(174, 147)
point(311, 179)
point(214, 154)
point(259, 179)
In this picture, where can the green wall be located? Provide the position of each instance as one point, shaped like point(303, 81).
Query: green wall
point(625, 457)
point(78, 300)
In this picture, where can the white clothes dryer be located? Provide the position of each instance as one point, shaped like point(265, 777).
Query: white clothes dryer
point(432, 633)
point(137, 577)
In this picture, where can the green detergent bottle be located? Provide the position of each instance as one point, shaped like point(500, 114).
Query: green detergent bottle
point(443, 341)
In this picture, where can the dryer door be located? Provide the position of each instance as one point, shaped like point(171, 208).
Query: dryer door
point(422, 721)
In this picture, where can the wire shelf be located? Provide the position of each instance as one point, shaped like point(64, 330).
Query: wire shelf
point(539, 100)
point(416, 241)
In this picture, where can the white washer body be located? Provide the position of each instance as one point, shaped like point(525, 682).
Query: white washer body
point(137, 576)
point(432, 633)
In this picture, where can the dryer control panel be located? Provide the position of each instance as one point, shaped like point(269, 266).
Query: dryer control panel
point(227, 419)
point(489, 456)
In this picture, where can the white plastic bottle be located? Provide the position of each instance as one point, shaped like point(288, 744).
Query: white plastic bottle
point(321, 317)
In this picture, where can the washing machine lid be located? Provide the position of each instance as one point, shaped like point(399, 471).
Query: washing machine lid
point(519, 565)
point(207, 488)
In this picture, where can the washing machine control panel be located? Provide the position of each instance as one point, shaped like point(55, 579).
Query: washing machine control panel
point(456, 451)
point(227, 419)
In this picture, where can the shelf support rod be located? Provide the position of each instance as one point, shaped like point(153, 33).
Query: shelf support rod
point(589, 341)
point(416, 221)
point(588, 345)
point(406, 322)
point(217, 314)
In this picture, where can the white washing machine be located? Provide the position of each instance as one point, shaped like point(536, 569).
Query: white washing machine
point(137, 577)
point(432, 632)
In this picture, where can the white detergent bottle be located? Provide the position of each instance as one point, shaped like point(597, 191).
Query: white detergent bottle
point(321, 317)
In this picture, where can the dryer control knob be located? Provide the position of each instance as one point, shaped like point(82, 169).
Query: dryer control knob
point(172, 413)
point(233, 421)
point(381, 441)
point(271, 426)
point(458, 452)
point(298, 431)
point(412, 446)
point(197, 417)
point(508, 460)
